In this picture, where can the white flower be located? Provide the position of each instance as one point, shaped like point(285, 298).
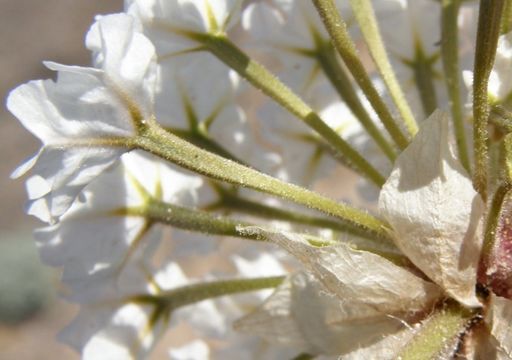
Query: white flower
point(127, 322)
point(84, 119)
point(102, 231)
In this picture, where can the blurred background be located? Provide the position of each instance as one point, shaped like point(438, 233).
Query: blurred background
point(32, 31)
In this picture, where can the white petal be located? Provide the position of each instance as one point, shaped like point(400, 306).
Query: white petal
point(126, 56)
point(195, 350)
point(435, 212)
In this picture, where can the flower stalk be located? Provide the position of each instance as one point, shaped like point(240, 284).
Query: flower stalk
point(365, 15)
point(437, 332)
point(341, 81)
point(227, 52)
point(489, 21)
point(171, 148)
point(170, 300)
point(337, 29)
point(449, 52)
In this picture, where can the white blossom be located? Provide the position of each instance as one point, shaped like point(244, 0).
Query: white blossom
point(84, 117)
point(98, 235)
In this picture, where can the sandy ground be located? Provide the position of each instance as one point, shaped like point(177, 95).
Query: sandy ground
point(32, 31)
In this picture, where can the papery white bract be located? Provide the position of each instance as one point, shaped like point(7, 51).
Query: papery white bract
point(85, 116)
point(434, 211)
point(303, 314)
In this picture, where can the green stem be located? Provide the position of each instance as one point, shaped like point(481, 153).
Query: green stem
point(232, 202)
point(365, 15)
point(491, 226)
point(437, 332)
point(192, 220)
point(506, 20)
point(502, 118)
point(450, 56)
point(171, 148)
point(170, 300)
point(304, 356)
point(506, 159)
point(342, 83)
point(337, 29)
point(489, 21)
point(422, 67)
point(204, 142)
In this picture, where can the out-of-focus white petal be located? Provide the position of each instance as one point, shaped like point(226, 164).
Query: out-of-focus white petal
point(118, 325)
point(434, 211)
point(161, 19)
point(195, 350)
point(95, 239)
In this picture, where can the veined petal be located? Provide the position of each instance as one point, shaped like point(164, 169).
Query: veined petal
point(387, 348)
point(434, 211)
point(303, 314)
point(360, 276)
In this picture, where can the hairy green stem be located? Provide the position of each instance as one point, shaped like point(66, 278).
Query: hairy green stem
point(343, 84)
point(502, 118)
point(489, 21)
point(170, 300)
point(192, 219)
point(337, 29)
point(171, 148)
point(365, 16)
point(232, 202)
point(204, 142)
point(506, 20)
point(264, 80)
point(423, 69)
point(450, 56)
point(491, 224)
point(438, 331)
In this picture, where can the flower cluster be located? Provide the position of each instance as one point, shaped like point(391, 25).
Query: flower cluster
point(182, 178)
